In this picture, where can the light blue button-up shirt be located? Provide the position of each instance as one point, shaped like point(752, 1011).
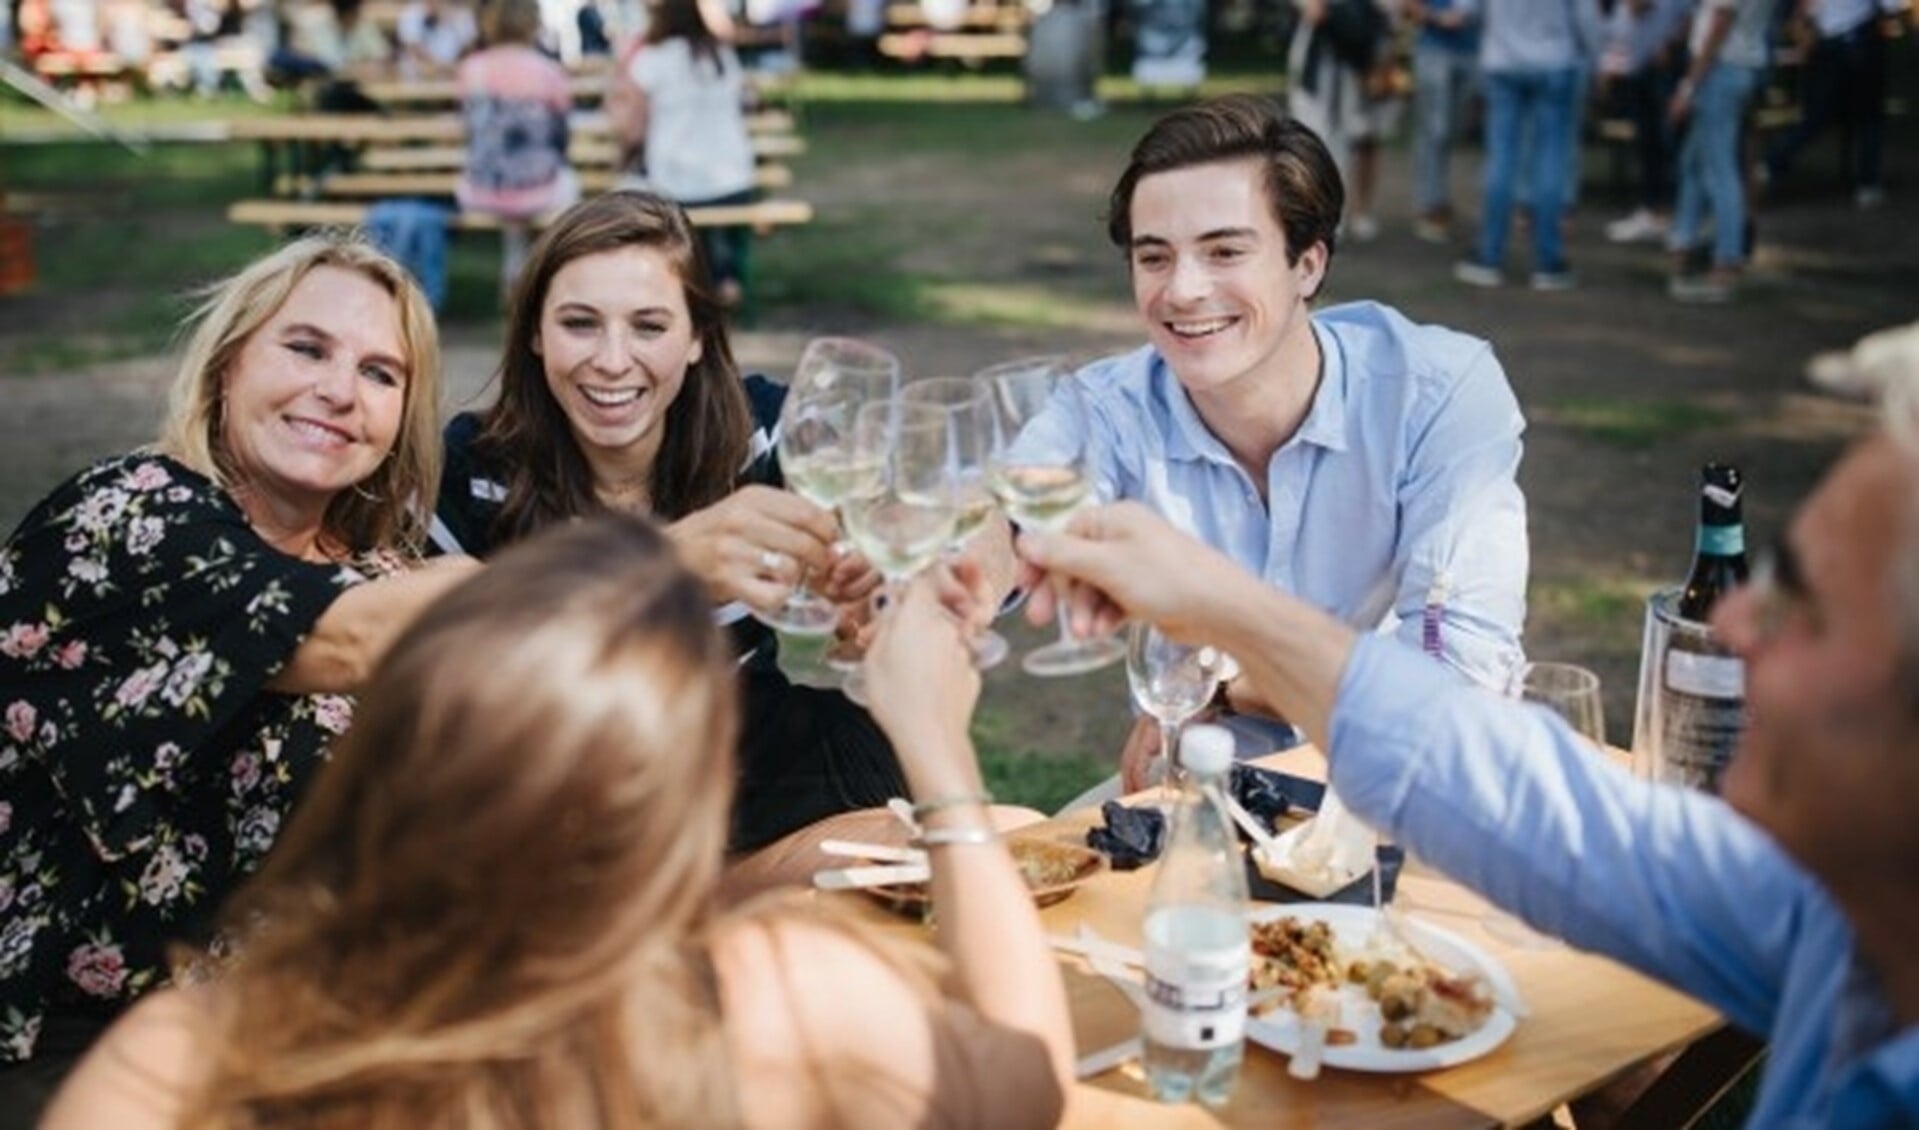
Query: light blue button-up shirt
point(1396, 492)
point(1674, 883)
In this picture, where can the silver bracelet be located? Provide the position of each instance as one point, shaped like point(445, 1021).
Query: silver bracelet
point(955, 837)
point(958, 800)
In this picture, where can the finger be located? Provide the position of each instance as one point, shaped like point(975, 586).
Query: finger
point(861, 589)
point(1041, 601)
point(792, 510)
point(761, 595)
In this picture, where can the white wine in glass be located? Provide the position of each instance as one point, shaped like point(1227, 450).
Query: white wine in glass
point(1040, 472)
point(968, 404)
point(906, 522)
point(834, 379)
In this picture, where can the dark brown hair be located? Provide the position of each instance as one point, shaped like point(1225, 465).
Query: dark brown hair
point(708, 427)
point(1302, 182)
point(681, 19)
point(494, 907)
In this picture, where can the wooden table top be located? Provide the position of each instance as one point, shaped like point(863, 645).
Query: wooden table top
point(1591, 1019)
point(372, 128)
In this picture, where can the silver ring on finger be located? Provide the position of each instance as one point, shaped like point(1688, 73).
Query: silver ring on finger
point(773, 561)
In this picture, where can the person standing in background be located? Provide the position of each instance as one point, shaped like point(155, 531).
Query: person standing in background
point(433, 34)
point(1531, 55)
point(1643, 61)
point(1445, 73)
point(1846, 77)
point(1728, 45)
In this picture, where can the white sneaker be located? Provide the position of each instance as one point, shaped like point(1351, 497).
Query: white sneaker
point(1642, 225)
point(1478, 274)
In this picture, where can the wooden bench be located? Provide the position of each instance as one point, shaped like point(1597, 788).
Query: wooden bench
point(440, 181)
point(373, 129)
point(761, 216)
point(969, 47)
point(588, 89)
point(978, 17)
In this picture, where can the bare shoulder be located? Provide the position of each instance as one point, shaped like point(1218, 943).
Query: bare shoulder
point(139, 1072)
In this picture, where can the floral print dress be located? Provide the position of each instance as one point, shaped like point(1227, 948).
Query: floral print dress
point(145, 766)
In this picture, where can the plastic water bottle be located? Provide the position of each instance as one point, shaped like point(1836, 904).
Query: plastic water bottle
point(1197, 951)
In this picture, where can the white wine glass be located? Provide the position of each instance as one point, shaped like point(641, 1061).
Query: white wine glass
point(835, 377)
point(905, 520)
point(1041, 474)
point(1572, 692)
point(1172, 682)
point(969, 407)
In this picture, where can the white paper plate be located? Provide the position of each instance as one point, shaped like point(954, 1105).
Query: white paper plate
point(1352, 927)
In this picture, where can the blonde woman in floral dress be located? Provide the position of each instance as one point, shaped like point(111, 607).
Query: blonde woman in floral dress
point(180, 628)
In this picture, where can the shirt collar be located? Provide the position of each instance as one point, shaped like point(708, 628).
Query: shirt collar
point(1189, 439)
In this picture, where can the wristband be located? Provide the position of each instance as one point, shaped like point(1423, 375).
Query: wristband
point(958, 800)
point(956, 837)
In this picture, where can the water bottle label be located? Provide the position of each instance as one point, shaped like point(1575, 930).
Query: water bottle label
point(1707, 676)
point(1196, 999)
point(1722, 541)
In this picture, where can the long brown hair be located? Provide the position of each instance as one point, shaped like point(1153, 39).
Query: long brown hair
point(385, 510)
point(492, 910)
point(681, 19)
point(708, 426)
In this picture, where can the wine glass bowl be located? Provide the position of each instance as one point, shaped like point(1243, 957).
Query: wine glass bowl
point(969, 407)
point(1570, 691)
point(1041, 472)
point(1170, 681)
point(834, 379)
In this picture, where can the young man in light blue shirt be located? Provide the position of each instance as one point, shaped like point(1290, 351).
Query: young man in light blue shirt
point(1351, 457)
point(1791, 905)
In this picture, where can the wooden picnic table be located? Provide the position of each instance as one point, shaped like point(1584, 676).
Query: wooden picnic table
point(373, 129)
point(1590, 1019)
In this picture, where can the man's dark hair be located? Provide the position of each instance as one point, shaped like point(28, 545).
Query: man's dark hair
point(1303, 185)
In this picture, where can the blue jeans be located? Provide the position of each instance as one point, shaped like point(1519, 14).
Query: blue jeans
point(1442, 82)
point(1709, 165)
point(1543, 102)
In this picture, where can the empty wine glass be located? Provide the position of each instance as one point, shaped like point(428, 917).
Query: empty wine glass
point(1040, 472)
point(1572, 692)
point(969, 408)
point(1172, 682)
point(905, 519)
point(835, 377)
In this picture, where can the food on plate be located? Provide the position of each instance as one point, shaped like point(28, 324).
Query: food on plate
point(1421, 1004)
point(1052, 870)
point(1293, 955)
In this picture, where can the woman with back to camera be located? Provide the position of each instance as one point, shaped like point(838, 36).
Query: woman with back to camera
point(180, 627)
point(456, 932)
point(618, 391)
point(682, 120)
point(514, 100)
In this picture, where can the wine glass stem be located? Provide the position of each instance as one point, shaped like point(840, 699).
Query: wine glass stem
point(1168, 743)
point(1064, 615)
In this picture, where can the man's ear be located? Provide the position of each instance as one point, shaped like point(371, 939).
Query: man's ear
point(1311, 270)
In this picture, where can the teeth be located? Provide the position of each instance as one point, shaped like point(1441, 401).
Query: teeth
point(317, 431)
point(610, 397)
point(1200, 329)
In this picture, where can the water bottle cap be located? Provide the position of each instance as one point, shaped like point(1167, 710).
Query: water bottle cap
point(1206, 750)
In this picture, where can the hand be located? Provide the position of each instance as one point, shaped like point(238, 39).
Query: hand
point(922, 686)
point(1124, 562)
point(1680, 108)
point(755, 544)
point(1136, 757)
point(850, 582)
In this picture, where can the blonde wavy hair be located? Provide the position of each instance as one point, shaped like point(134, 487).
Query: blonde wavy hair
point(493, 909)
point(385, 511)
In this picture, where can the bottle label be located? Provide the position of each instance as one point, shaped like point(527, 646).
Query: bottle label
point(1720, 496)
point(1702, 712)
point(1706, 676)
point(1722, 541)
point(1196, 999)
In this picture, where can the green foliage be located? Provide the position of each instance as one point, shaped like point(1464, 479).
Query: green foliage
point(1633, 424)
